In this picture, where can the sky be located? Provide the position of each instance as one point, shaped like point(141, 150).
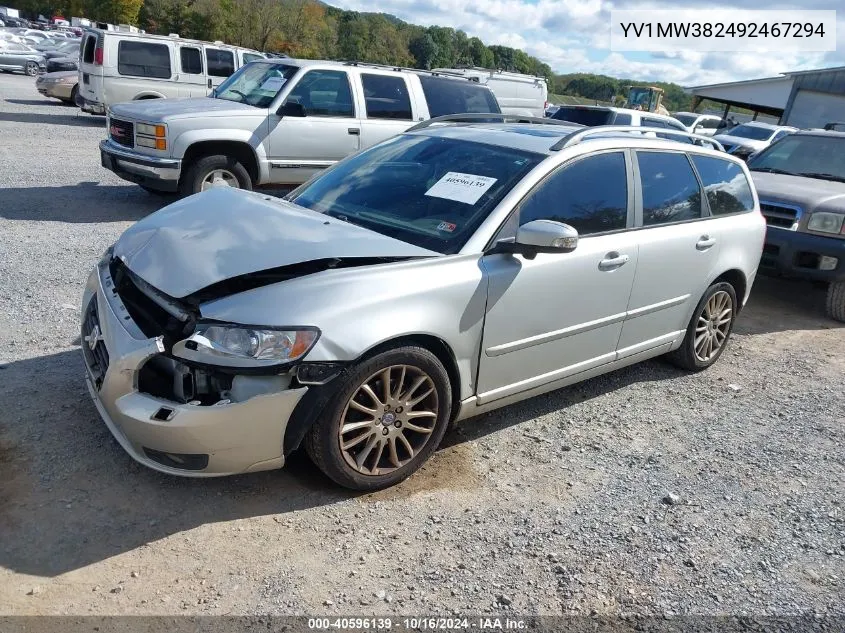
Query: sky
point(574, 35)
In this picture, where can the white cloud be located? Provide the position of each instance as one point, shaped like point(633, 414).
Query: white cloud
point(574, 36)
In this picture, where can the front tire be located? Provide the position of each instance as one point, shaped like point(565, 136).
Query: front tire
point(835, 306)
point(709, 329)
point(31, 69)
point(386, 419)
point(217, 170)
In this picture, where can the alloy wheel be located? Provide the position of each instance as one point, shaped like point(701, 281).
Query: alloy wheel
point(388, 420)
point(220, 177)
point(713, 325)
point(31, 69)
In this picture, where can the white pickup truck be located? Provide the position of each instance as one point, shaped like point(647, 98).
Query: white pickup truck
point(277, 121)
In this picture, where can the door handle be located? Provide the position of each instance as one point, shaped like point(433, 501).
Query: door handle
point(704, 242)
point(612, 261)
point(354, 131)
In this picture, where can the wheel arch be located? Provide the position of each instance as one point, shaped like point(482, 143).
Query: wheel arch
point(738, 280)
point(240, 150)
point(312, 404)
point(148, 95)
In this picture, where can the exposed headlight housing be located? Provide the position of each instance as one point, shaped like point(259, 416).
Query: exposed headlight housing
point(825, 222)
point(245, 346)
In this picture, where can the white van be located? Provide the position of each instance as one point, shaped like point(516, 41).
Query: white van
point(116, 67)
point(522, 95)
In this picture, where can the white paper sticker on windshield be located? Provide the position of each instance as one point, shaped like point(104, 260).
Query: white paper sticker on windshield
point(273, 84)
point(466, 188)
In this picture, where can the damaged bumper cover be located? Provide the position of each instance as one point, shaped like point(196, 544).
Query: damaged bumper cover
point(232, 436)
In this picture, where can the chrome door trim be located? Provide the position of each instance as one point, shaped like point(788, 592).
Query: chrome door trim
point(539, 339)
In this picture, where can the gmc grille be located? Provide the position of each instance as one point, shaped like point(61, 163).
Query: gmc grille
point(122, 132)
point(780, 216)
point(94, 350)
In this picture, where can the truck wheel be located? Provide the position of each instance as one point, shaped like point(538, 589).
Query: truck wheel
point(215, 171)
point(836, 300)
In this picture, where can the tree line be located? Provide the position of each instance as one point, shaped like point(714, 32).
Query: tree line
point(312, 29)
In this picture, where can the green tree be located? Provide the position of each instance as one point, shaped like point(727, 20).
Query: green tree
point(424, 49)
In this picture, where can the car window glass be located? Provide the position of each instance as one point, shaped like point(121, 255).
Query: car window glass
point(324, 93)
point(670, 189)
point(647, 122)
point(142, 59)
point(710, 124)
point(251, 57)
point(779, 135)
point(590, 195)
point(584, 116)
point(622, 119)
point(456, 96)
point(725, 185)
point(386, 97)
point(190, 60)
point(220, 63)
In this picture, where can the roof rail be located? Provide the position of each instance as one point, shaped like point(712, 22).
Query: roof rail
point(484, 117)
point(581, 135)
point(832, 125)
point(405, 68)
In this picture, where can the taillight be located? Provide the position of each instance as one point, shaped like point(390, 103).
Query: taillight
point(98, 57)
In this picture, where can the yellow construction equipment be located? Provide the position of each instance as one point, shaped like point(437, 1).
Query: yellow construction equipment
point(647, 98)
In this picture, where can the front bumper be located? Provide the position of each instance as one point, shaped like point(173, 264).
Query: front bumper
point(225, 439)
point(795, 254)
point(151, 171)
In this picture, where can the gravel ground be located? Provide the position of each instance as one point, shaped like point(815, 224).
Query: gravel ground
point(646, 491)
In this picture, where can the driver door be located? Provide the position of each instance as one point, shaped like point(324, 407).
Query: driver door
point(558, 315)
point(300, 146)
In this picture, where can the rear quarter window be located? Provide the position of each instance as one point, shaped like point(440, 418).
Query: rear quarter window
point(88, 49)
point(455, 96)
point(143, 59)
point(725, 186)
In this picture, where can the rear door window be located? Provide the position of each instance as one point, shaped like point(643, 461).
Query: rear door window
point(220, 63)
point(386, 97)
point(191, 60)
point(725, 185)
point(669, 187)
point(456, 96)
point(143, 59)
point(88, 49)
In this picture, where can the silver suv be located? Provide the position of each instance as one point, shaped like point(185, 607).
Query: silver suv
point(449, 271)
point(277, 121)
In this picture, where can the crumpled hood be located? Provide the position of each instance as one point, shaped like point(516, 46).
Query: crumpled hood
point(223, 233)
point(155, 110)
point(808, 193)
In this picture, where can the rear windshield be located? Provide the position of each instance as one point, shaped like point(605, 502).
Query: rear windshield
point(686, 119)
point(88, 51)
point(455, 96)
point(752, 132)
point(584, 116)
point(429, 191)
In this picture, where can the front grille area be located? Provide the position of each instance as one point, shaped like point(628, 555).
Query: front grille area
point(93, 348)
point(779, 215)
point(122, 132)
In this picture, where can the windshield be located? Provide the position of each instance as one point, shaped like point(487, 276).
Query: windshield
point(256, 84)
point(813, 156)
point(584, 116)
point(432, 192)
point(686, 119)
point(752, 132)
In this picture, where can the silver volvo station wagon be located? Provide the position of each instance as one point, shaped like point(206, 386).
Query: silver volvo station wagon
point(453, 269)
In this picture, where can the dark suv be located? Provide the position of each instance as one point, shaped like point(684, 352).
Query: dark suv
point(801, 184)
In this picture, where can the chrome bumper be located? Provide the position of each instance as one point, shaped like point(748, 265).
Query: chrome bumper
point(238, 437)
point(141, 168)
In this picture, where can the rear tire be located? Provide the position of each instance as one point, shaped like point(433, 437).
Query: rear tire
point(367, 438)
point(31, 69)
point(709, 329)
point(835, 306)
point(216, 170)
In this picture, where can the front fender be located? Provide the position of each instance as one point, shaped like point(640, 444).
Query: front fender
point(254, 139)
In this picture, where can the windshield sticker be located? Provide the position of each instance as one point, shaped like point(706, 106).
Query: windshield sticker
point(466, 188)
point(273, 84)
point(447, 226)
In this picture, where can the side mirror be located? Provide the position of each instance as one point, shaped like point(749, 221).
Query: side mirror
point(541, 236)
point(291, 108)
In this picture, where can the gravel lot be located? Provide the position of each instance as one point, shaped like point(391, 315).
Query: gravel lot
point(647, 491)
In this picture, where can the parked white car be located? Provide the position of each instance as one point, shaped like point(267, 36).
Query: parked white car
point(524, 95)
point(748, 138)
point(399, 291)
point(609, 115)
point(277, 121)
point(117, 66)
point(704, 124)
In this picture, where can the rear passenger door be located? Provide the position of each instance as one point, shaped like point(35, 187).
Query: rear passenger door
point(678, 250)
point(387, 107)
point(192, 79)
point(220, 63)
